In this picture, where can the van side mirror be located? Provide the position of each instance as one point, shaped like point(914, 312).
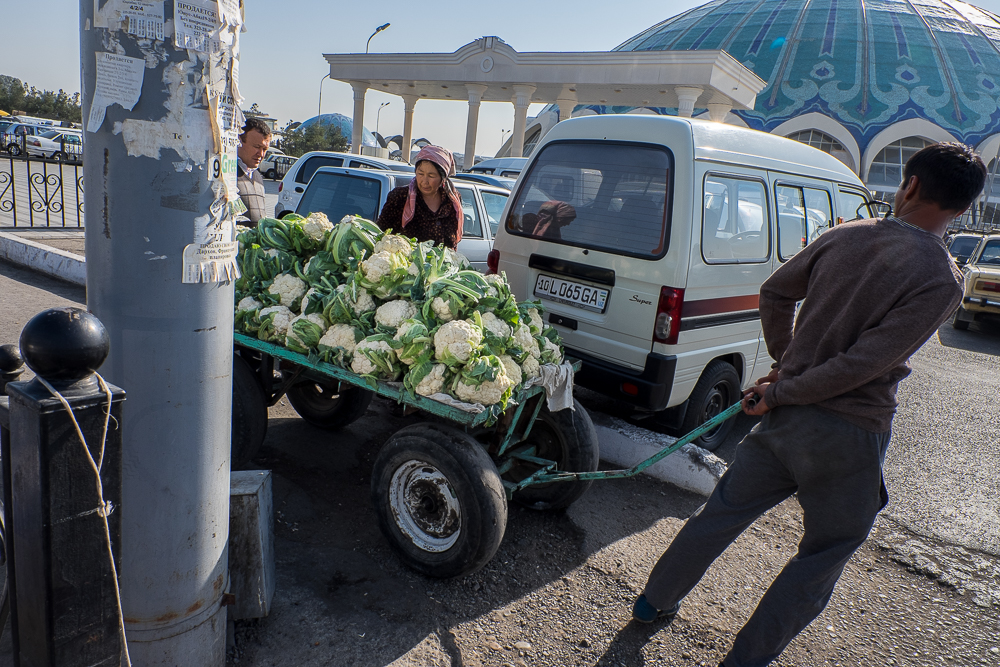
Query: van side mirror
point(878, 207)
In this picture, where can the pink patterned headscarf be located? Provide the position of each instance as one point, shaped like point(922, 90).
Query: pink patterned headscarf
point(443, 158)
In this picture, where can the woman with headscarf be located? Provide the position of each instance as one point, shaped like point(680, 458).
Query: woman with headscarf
point(429, 208)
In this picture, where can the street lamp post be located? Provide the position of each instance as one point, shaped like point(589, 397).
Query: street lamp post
point(319, 109)
point(377, 31)
point(378, 114)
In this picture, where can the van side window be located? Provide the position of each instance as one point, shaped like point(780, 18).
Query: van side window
point(803, 214)
point(734, 222)
point(852, 205)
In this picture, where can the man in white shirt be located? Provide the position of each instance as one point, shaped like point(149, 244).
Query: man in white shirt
point(254, 142)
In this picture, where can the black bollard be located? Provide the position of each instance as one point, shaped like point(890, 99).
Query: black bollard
point(65, 612)
point(11, 365)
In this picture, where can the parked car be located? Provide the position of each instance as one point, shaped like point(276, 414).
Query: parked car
point(276, 165)
point(981, 299)
point(647, 239)
point(11, 135)
point(508, 167)
point(294, 183)
point(60, 145)
point(487, 179)
point(340, 191)
point(962, 247)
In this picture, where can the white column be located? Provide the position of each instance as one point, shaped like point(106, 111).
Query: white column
point(521, 100)
point(358, 131)
point(476, 91)
point(717, 111)
point(409, 104)
point(566, 106)
point(686, 97)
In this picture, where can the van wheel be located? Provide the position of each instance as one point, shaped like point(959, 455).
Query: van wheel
point(271, 174)
point(717, 389)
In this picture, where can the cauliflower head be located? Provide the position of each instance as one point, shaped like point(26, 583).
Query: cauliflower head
point(530, 368)
point(524, 340)
point(306, 337)
point(391, 314)
point(456, 341)
point(512, 369)
point(441, 309)
point(338, 343)
point(377, 267)
point(494, 280)
point(374, 357)
point(316, 226)
point(486, 393)
point(496, 326)
point(280, 318)
point(550, 353)
point(394, 243)
point(433, 382)
point(289, 289)
point(249, 303)
point(534, 321)
point(416, 341)
point(364, 303)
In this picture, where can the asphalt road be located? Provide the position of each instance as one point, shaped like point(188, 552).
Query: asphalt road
point(341, 589)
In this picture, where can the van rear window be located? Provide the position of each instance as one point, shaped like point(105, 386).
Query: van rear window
point(338, 195)
point(605, 196)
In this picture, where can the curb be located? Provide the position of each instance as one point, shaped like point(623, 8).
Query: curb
point(690, 468)
point(44, 259)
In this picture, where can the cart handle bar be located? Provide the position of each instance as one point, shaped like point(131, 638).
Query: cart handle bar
point(712, 423)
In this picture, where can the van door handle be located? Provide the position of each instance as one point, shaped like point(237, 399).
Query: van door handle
point(299, 190)
point(563, 321)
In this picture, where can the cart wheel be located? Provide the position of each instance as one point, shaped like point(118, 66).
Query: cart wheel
point(439, 500)
point(568, 438)
point(957, 322)
point(328, 405)
point(249, 414)
point(717, 389)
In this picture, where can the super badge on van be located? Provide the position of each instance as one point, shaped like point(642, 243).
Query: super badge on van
point(574, 294)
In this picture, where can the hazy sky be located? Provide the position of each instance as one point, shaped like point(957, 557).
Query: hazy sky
point(282, 51)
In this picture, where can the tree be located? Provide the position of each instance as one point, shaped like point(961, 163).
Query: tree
point(317, 137)
point(18, 96)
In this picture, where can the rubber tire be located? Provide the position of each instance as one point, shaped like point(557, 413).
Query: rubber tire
point(716, 390)
point(320, 404)
point(271, 174)
point(249, 414)
point(472, 480)
point(956, 323)
point(567, 437)
point(13, 150)
point(59, 156)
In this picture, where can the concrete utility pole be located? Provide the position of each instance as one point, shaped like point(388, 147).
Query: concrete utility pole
point(161, 116)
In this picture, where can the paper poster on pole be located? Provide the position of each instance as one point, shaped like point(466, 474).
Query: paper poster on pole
point(212, 256)
point(231, 14)
point(196, 25)
point(119, 81)
point(142, 18)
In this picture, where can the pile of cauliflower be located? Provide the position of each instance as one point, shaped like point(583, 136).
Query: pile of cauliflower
point(389, 309)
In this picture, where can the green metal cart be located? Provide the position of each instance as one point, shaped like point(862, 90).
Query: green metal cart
point(440, 487)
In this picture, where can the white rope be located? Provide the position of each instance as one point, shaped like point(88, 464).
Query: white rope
point(104, 508)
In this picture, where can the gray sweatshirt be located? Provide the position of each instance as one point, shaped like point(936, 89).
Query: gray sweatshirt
point(874, 291)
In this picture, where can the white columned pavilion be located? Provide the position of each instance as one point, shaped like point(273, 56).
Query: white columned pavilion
point(488, 70)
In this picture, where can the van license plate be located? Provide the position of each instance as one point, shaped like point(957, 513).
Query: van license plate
point(575, 294)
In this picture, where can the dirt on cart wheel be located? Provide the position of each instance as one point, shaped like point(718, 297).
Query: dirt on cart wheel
point(439, 500)
point(329, 405)
point(249, 414)
point(717, 389)
point(568, 438)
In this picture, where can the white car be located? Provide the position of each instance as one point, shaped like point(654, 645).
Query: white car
point(294, 183)
point(338, 192)
point(59, 145)
point(275, 165)
point(509, 167)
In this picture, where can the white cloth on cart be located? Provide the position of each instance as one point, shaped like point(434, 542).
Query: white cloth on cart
point(558, 384)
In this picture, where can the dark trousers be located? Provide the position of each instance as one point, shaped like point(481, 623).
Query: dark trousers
point(836, 469)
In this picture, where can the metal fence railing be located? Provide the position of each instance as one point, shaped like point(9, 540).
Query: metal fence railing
point(40, 193)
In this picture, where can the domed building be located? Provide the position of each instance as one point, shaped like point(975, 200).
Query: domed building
point(870, 82)
point(345, 124)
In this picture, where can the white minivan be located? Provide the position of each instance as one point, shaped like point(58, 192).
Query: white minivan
point(647, 239)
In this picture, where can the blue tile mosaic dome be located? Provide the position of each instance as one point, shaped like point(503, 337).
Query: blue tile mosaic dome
point(345, 124)
point(866, 63)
